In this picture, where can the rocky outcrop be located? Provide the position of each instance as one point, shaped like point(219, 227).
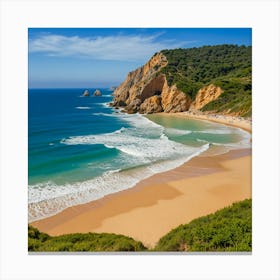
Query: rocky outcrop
point(151, 105)
point(138, 82)
point(97, 93)
point(174, 100)
point(86, 93)
point(145, 90)
point(206, 95)
point(133, 106)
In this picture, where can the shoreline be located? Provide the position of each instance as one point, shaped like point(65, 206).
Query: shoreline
point(149, 210)
point(218, 118)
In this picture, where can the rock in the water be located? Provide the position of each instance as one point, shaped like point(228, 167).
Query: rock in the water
point(118, 103)
point(151, 105)
point(97, 93)
point(86, 93)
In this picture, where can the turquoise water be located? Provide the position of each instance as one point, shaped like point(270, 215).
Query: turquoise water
point(80, 149)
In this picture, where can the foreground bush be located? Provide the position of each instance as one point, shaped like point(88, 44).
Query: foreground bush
point(229, 229)
point(81, 242)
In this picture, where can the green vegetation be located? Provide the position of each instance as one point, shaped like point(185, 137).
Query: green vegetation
point(79, 242)
point(229, 229)
point(227, 66)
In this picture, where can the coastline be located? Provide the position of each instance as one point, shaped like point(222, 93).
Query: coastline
point(218, 118)
point(165, 200)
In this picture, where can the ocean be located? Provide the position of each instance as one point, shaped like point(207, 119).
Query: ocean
point(80, 149)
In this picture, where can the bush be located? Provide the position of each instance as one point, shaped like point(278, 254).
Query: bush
point(229, 229)
point(79, 242)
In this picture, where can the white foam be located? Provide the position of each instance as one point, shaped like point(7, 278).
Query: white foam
point(47, 199)
point(175, 131)
point(217, 131)
point(127, 142)
point(201, 140)
point(104, 114)
point(104, 104)
point(82, 108)
point(139, 121)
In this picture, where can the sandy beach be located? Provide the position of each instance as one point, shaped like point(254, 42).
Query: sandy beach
point(162, 202)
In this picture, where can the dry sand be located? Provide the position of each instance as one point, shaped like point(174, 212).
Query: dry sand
point(162, 202)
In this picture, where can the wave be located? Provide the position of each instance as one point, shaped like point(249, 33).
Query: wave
point(47, 199)
point(104, 104)
point(82, 108)
point(175, 131)
point(216, 131)
point(244, 143)
point(105, 114)
point(127, 141)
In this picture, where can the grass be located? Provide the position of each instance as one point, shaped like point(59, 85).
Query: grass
point(81, 242)
point(229, 229)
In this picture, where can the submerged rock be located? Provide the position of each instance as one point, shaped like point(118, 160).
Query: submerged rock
point(97, 93)
point(86, 93)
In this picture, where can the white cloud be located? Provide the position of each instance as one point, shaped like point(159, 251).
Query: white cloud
point(120, 47)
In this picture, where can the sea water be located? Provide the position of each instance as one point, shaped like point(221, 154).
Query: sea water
point(80, 149)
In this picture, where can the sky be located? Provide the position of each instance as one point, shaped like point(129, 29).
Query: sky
point(102, 57)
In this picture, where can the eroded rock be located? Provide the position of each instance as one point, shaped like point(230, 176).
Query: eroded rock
point(151, 105)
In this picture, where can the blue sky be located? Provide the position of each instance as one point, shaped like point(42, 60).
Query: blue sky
point(102, 57)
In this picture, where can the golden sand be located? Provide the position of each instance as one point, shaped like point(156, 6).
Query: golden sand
point(162, 202)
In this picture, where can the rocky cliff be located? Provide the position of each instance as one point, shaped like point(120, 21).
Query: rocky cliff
point(214, 77)
point(145, 90)
point(205, 95)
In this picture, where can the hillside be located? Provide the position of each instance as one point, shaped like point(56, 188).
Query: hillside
point(209, 78)
point(229, 229)
point(81, 242)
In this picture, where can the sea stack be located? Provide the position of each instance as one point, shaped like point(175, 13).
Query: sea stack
point(97, 93)
point(86, 93)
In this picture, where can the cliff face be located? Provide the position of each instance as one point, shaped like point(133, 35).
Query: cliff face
point(205, 95)
point(147, 91)
point(210, 78)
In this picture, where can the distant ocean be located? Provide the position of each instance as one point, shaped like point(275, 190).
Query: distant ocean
point(80, 149)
